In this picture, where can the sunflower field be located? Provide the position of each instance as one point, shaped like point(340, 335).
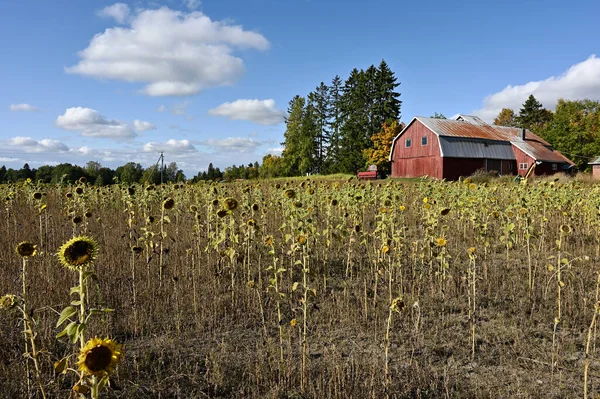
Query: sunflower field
point(307, 288)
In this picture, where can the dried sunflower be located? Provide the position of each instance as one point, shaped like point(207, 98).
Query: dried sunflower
point(230, 204)
point(78, 252)
point(26, 249)
point(99, 357)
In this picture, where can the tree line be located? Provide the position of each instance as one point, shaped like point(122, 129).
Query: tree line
point(95, 173)
point(330, 129)
point(573, 128)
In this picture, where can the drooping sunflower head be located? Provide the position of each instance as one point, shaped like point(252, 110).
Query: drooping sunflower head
point(193, 208)
point(289, 193)
point(398, 305)
point(99, 357)
point(82, 180)
point(37, 195)
point(9, 301)
point(26, 249)
point(137, 249)
point(131, 191)
point(78, 252)
point(168, 204)
point(445, 211)
point(221, 213)
point(77, 219)
point(230, 204)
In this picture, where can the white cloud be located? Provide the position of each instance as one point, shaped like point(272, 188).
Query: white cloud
point(172, 52)
point(580, 81)
point(259, 111)
point(162, 108)
point(192, 4)
point(27, 144)
point(275, 151)
point(142, 126)
point(89, 122)
point(118, 11)
point(171, 146)
point(5, 159)
point(232, 144)
point(23, 108)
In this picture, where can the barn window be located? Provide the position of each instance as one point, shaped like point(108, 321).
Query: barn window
point(554, 166)
point(523, 166)
point(424, 140)
point(408, 143)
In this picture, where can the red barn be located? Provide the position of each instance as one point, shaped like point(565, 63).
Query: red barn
point(595, 168)
point(448, 149)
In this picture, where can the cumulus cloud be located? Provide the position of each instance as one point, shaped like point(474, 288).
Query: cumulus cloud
point(259, 111)
point(118, 11)
point(27, 144)
point(162, 108)
point(142, 126)
point(23, 108)
point(232, 144)
point(89, 122)
point(172, 52)
point(171, 146)
point(580, 81)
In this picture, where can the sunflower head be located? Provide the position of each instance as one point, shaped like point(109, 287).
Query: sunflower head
point(289, 193)
point(441, 242)
point(169, 203)
point(251, 223)
point(269, 240)
point(82, 180)
point(445, 211)
point(221, 213)
point(88, 214)
point(8, 301)
point(79, 190)
point(334, 202)
point(137, 249)
point(99, 357)
point(193, 208)
point(398, 305)
point(131, 191)
point(230, 204)
point(255, 207)
point(26, 249)
point(215, 202)
point(565, 229)
point(37, 195)
point(77, 219)
point(301, 239)
point(78, 252)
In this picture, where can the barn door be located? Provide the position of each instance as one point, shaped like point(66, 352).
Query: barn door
point(493, 164)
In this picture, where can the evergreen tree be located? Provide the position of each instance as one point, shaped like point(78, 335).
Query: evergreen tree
point(298, 146)
point(2, 174)
point(387, 105)
point(533, 115)
point(335, 123)
point(438, 116)
point(355, 131)
point(320, 103)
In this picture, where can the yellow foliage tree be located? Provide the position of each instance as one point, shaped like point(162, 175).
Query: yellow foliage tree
point(382, 144)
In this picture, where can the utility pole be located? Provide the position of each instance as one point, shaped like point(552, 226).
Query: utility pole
point(162, 166)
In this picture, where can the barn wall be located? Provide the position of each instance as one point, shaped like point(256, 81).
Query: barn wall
point(509, 167)
point(596, 171)
point(522, 158)
point(418, 160)
point(457, 167)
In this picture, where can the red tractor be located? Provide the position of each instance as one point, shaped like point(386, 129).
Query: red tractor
point(371, 174)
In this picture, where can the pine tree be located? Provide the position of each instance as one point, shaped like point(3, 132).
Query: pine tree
point(388, 105)
point(533, 115)
point(335, 123)
point(319, 101)
point(299, 139)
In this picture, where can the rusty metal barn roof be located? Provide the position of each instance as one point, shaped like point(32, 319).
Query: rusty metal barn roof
point(540, 152)
point(452, 128)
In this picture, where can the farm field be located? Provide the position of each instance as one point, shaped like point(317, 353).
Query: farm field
point(311, 288)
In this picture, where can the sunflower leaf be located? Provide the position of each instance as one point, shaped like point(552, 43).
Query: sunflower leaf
point(65, 314)
point(61, 365)
point(75, 290)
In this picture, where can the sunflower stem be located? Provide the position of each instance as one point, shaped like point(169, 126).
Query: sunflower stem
point(82, 294)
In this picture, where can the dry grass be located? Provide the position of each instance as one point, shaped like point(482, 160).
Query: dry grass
point(209, 326)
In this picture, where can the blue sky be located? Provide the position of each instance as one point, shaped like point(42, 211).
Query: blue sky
point(209, 81)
